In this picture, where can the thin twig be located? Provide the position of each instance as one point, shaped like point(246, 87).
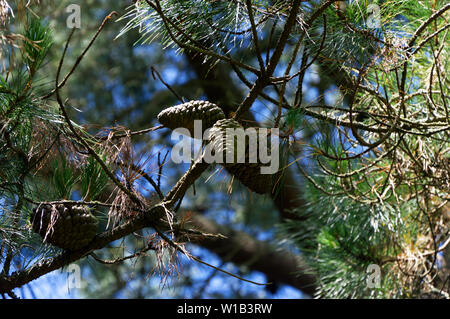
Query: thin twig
point(81, 56)
point(183, 251)
point(120, 260)
point(154, 71)
point(140, 132)
point(80, 139)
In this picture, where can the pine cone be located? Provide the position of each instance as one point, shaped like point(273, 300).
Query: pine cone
point(247, 173)
point(183, 115)
point(70, 228)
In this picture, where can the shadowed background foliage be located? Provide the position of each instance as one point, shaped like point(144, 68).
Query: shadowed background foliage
point(307, 238)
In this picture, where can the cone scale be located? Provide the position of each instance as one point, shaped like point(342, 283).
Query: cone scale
point(249, 174)
point(67, 227)
point(183, 115)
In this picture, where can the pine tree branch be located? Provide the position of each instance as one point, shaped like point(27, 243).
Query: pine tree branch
point(148, 218)
point(22, 277)
point(264, 80)
point(424, 25)
point(81, 56)
point(78, 137)
point(242, 249)
point(251, 18)
point(197, 47)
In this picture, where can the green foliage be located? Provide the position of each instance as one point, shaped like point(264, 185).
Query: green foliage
point(3, 84)
point(343, 238)
point(218, 25)
point(360, 212)
point(38, 41)
point(89, 176)
point(93, 180)
point(64, 179)
point(294, 118)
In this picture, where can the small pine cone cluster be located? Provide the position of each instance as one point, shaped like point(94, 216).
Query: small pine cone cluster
point(67, 227)
point(249, 174)
point(183, 115)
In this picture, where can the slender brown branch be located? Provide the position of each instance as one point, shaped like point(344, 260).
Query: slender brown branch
point(22, 277)
point(423, 26)
point(183, 251)
point(80, 139)
point(140, 132)
point(154, 71)
point(81, 56)
point(120, 260)
point(262, 81)
point(248, 3)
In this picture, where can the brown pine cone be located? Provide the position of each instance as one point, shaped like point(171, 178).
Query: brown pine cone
point(67, 227)
point(247, 173)
point(183, 115)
